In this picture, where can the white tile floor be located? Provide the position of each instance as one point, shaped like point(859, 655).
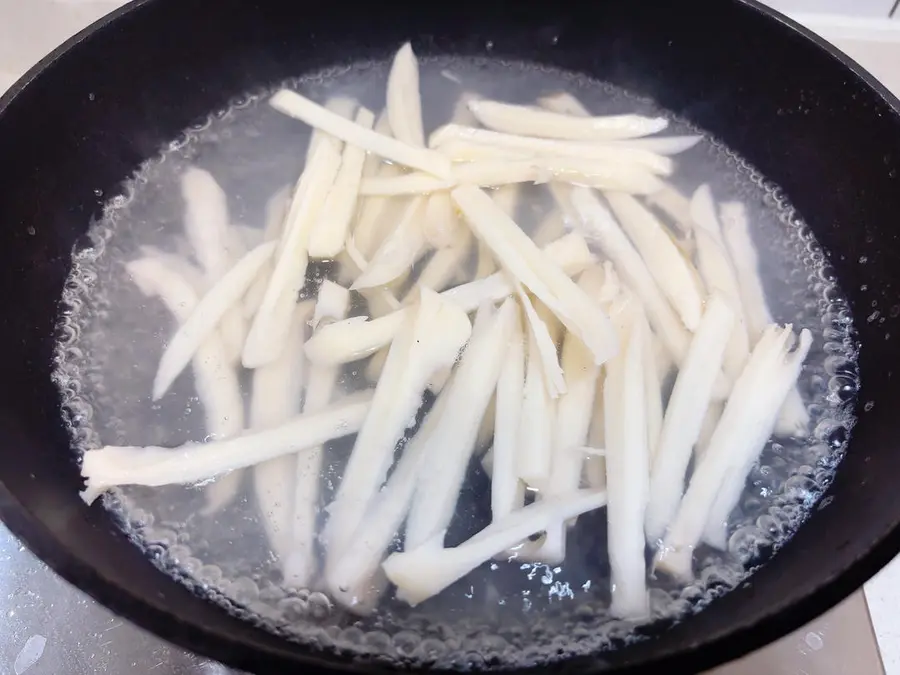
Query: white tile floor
point(873, 8)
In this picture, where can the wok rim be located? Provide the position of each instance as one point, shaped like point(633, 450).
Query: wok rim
point(157, 618)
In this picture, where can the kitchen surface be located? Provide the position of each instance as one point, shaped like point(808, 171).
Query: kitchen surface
point(50, 628)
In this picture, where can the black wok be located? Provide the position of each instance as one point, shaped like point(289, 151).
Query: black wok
point(805, 115)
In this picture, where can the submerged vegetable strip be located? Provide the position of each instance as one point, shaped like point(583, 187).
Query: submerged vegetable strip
point(447, 263)
point(399, 251)
point(542, 351)
point(111, 466)
point(276, 209)
point(627, 468)
point(357, 337)
point(354, 577)
point(404, 103)
point(208, 228)
point(453, 440)
point(496, 172)
point(675, 205)
point(277, 388)
point(523, 259)
point(430, 340)
point(719, 276)
point(268, 333)
point(215, 379)
point(293, 104)
point(573, 420)
point(793, 419)
point(512, 146)
point(327, 236)
point(663, 259)
point(596, 222)
point(690, 399)
point(535, 436)
point(379, 299)
point(427, 570)
point(207, 314)
point(715, 533)
point(301, 564)
point(738, 439)
point(529, 121)
point(507, 492)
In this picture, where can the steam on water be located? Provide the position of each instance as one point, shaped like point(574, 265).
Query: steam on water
point(503, 614)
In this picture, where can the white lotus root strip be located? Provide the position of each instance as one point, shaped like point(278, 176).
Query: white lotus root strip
point(487, 465)
point(301, 563)
point(547, 149)
point(707, 428)
point(405, 184)
point(208, 229)
point(740, 436)
point(375, 218)
point(432, 335)
point(676, 206)
point(451, 445)
point(529, 121)
point(356, 338)
point(564, 104)
point(662, 145)
point(399, 251)
point(404, 103)
point(379, 299)
point(331, 303)
point(662, 258)
point(206, 316)
point(180, 265)
point(653, 397)
point(326, 239)
point(550, 228)
point(544, 353)
point(353, 578)
point(535, 436)
point(270, 327)
point(215, 380)
point(446, 264)
point(112, 466)
point(486, 430)
point(533, 269)
point(594, 220)
point(627, 468)
point(691, 398)
point(715, 532)
point(719, 275)
point(294, 105)
point(500, 172)
point(424, 572)
point(275, 212)
point(277, 388)
point(793, 419)
point(460, 150)
point(441, 221)
point(442, 225)
point(507, 491)
point(573, 419)
point(595, 465)
point(242, 238)
point(341, 106)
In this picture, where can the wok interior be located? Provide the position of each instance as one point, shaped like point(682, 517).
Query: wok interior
point(804, 131)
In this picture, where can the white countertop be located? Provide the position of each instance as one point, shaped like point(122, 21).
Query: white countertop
point(31, 28)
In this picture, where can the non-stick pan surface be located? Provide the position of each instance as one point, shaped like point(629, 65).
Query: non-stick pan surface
point(806, 116)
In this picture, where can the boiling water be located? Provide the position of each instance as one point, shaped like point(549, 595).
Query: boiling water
point(503, 614)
